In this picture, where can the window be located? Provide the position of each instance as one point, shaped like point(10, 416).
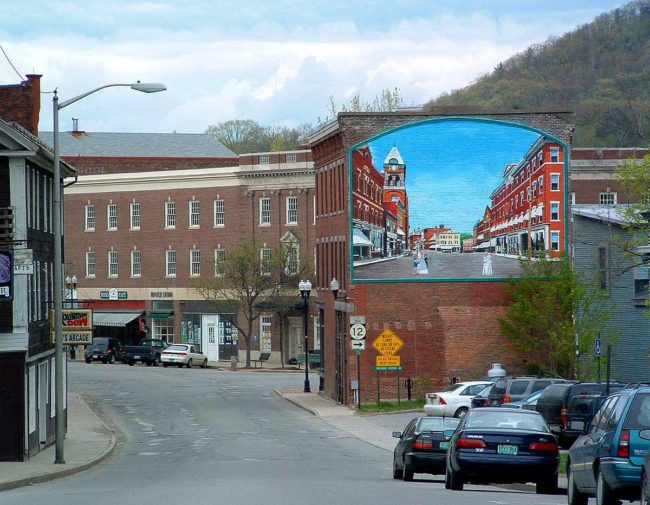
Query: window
point(112, 263)
point(90, 218)
point(194, 214)
point(219, 214)
point(170, 214)
point(265, 332)
point(90, 264)
point(572, 197)
point(555, 182)
point(195, 262)
point(219, 262)
point(265, 211)
point(603, 270)
point(111, 210)
point(291, 258)
point(291, 157)
point(555, 154)
point(541, 184)
point(170, 263)
point(535, 188)
point(136, 265)
point(264, 159)
point(555, 241)
point(607, 199)
point(135, 216)
point(292, 210)
point(555, 211)
point(642, 277)
point(265, 261)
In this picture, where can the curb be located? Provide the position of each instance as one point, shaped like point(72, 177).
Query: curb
point(297, 404)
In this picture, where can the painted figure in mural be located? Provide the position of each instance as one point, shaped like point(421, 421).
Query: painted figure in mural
point(487, 264)
point(423, 269)
point(415, 266)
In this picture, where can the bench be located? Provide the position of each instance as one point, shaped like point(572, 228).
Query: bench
point(262, 358)
point(313, 358)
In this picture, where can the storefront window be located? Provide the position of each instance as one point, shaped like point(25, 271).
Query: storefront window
point(164, 329)
point(191, 329)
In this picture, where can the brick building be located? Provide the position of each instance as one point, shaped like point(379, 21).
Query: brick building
point(369, 231)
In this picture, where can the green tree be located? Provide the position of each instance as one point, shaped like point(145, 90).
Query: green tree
point(250, 282)
point(552, 310)
point(387, 100)
point(248, 136)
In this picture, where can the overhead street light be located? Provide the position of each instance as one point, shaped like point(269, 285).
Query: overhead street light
point(58, 237)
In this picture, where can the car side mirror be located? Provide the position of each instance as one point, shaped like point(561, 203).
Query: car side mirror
point(448, 433)
point(397, 434)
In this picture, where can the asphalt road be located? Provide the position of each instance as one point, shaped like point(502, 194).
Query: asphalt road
point(207, 436)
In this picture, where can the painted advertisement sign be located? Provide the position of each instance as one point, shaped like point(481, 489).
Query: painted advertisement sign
point(6, 275)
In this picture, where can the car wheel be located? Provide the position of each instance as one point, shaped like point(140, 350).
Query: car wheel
point(204, 364)
point(89, 360)
point(604, 495)
point(574, 496)
point(546, 485)
point(149, 363)
point(460, 413)
point(180, 365)
point(104, 361)
point(407, 472)
point(111, 360)
point(164, 365)
point(397, 472)
point(131, 362)
point(189, 363)
point(453, 479)
point(645, 492)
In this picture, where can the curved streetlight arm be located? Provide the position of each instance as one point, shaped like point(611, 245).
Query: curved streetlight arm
point(145, 87)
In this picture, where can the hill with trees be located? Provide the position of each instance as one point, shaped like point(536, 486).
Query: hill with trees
point(600, 70)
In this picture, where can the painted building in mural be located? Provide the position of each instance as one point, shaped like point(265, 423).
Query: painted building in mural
point(369, 228)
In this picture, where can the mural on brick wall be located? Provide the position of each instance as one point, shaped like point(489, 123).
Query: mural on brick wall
point(456, 199)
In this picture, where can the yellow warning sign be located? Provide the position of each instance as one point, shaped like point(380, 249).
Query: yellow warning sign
point(383, 361)
point(387, 343)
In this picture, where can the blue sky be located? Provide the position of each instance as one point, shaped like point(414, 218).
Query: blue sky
point(275, 62)
point(452, 167)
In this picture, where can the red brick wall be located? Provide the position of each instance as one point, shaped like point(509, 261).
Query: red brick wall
point(22, 103)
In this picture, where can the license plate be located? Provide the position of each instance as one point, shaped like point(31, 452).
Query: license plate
point(95, 356)
point(136, 357)
point(444, 445)
point(510, 450)
point(577, 425)
point(555, 429)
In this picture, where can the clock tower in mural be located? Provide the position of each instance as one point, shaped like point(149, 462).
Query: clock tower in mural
point(395, 191)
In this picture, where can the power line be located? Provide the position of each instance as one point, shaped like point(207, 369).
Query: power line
point(10, 63)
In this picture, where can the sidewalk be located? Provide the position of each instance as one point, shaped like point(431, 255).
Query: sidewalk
point(88, 442)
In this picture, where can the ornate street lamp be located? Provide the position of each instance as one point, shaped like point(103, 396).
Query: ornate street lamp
point(305, 290)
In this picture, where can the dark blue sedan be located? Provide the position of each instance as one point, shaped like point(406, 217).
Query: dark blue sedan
point(501, 445)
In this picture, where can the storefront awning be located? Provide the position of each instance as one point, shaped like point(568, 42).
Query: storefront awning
point(160, 314)
point(118, 319)
point(359, 239)
point(401, 232)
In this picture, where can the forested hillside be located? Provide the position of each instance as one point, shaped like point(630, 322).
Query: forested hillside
point(601, 71)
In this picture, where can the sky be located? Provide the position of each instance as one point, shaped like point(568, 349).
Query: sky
point(452, 167)
point(277, 63)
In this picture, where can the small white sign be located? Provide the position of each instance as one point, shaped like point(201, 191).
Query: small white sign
point(23, 262)
point(112, 294)
point(357, 331)
point(358, 345)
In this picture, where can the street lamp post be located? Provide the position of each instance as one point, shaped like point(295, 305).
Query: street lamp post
point(305, 290)
point(58, 237)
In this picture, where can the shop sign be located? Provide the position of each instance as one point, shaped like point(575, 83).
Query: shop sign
point(161, 294)
point(6, 275)
point(113, 294)
point(23, 261)
point(75, 337)
point(74, 320)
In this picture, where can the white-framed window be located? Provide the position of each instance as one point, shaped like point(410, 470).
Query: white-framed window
point(194, 214)
point(540, 157)
point(292, 210)
point(603, 268)
point(555, 211)
point(572, 197)
point(317, 332)
point(540, 180)
point(291, 157)
point(642, 278)
point(265, 332)
point(90, 263)
point(265, 261)
point(136, 264)
point(47, 196)
point(265, 211)
point(555, 154)
point(170, 215)
point(555, 241)
point(535, 188)
point(195, 262)
point(112, 263)
point(292, 257)
point(134, 211)
point(555, 181)
point(265, 159)
point(219, 262)
point(219, 214)
point(111, 211)
point(608, 198)
point(170, 263)
point(90, 218)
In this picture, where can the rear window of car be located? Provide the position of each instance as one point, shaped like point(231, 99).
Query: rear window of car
point(437, 424)
point(538, 385)
point(555, 392)
point(518, 387)
point(513, 419)
point(500, 386)
point(100, 343)
point(177, 348)
point(452, 387)
point(638, 418)
point(584, 405)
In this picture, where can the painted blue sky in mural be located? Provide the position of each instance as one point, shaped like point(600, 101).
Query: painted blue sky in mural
point(452, 167)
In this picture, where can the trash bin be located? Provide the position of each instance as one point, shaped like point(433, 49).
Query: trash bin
point(233, 362)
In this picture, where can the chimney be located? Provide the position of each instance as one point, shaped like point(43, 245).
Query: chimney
point(34, 82)
point(76, 132)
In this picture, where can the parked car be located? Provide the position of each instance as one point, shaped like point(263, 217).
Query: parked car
point(645, 480)
point(502, 445)
point(527, 403)
point(554, 406)
point(422, 447)
point(148, 351)
point(455, 400)
point(481, 399)
point(607, 460)
point(183, 355)
point(512, 389)
point(104, 349)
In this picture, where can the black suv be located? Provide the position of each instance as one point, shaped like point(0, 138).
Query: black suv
point(567, 416)
point(512, 389)
point(104, 349)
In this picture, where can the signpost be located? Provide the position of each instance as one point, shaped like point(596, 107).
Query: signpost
point(358, 343)
point(388, 345)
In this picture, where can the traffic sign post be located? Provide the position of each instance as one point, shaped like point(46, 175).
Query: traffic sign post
point(388, 345)
point(358, 343)
point(597, 352)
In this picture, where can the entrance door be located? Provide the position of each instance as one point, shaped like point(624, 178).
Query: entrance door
point(210, 346)
point(295, 338)
point(42, 402)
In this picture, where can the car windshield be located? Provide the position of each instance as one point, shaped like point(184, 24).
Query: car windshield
point(99, 343)
point(639, 416)
point(516, 420)
point(437, 423)
point(177, 348)
point(485, 393)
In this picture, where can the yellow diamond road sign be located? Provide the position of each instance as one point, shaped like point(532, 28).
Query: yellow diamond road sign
point(387, 343)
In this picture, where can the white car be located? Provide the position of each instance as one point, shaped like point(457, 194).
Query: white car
point(183, 355)
point(455, 400)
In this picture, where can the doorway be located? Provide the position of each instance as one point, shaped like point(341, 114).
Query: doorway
point(210, 325)
point(43, 391)
point(294, 338)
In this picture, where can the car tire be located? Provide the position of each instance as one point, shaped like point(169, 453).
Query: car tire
point(131, 362)
point(149, 363)
point(407, 472)
point(164, 365)
point(111, 360)
point(645, 492)
point(397, 472)
point(460, 413)
point(89, 360)
point(189, 363)
point(546, 485)
point(104, 361)
point(574, 496)
point(180, 365)
point(453, 479)
point(604, 494)
point(204, 364)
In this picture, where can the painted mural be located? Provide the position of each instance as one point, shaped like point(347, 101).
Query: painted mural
point(456, 199)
